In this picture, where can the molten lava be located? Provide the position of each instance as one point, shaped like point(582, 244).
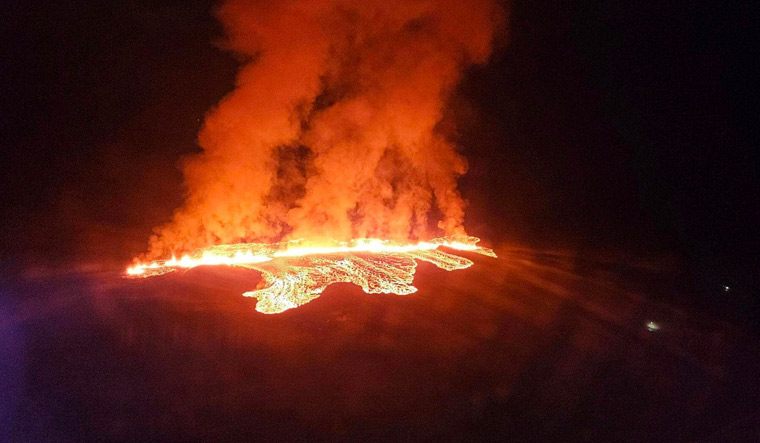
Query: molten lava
point(294, 274)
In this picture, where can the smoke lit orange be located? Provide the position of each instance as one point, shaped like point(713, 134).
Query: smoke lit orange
point(335, 131)
point(294, 274)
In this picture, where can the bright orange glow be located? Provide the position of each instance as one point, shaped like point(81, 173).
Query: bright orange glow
point(294, 274)
point(335, 128)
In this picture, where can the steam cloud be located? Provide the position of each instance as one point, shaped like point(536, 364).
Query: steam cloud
point(331, 130)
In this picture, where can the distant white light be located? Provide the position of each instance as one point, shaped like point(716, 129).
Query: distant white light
point(726, 288)
point(652, 326)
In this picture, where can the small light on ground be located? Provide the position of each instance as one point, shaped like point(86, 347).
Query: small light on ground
point(652, 326)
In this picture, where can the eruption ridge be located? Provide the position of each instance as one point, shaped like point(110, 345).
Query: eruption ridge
point(293, 274)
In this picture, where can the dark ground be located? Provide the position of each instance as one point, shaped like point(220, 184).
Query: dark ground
point(533, 346)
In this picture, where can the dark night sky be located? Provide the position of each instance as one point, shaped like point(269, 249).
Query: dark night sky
point(606, 124)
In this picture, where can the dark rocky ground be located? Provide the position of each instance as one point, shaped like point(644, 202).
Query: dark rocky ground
point(533, 346)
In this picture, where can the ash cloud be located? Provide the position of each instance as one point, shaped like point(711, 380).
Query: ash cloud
point(332, 130)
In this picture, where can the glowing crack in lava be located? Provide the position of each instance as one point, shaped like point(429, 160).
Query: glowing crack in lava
point(293, 274)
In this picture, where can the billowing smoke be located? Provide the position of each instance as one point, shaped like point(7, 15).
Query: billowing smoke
point(333, 127)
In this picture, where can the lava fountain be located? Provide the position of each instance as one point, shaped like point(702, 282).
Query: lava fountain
point(293, 275)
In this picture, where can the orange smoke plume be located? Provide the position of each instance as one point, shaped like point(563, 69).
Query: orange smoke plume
point(331, 131)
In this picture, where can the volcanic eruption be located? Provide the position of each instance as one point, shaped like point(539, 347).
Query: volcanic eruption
point(329, 162)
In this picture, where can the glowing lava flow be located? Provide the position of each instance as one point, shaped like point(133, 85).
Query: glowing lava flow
point(293, 274)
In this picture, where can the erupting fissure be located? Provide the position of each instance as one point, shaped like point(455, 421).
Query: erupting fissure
point(293, 274)
point(337, 129)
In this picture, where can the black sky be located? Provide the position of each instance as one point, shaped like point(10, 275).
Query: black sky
point(600, 124)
